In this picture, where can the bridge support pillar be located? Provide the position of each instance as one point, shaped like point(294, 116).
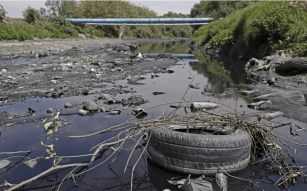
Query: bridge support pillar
point(121, 32)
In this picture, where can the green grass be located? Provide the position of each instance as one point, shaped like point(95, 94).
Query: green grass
point(277, 24)
point(43, 29)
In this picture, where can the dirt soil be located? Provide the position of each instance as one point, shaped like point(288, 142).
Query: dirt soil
point(69, 67)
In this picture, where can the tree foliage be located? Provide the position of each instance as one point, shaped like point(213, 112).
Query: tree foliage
point(258, 26)
point(64, 8)
point(2, 13)
point(171, 14)
point(31, 15)
point(217, 9)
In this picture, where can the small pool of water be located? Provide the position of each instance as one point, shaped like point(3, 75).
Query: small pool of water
point(215, 79)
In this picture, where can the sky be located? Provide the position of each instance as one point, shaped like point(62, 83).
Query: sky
point(14, 8)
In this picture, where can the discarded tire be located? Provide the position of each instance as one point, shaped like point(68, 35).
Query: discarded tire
point(199, 154)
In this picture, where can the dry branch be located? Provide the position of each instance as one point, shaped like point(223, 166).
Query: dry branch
point(43, 173)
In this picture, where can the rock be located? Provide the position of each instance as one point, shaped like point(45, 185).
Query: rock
point(292, 95)
point(3, 71)
point(124, 86)
point(194, 86)
point(137, 109)
point(258, 104)
point(277, 60)
point(102, 109)
point(82, 112)
point(4, 163)
point(57, 77)
point(280, 53)
point(270, 116)
point(54, 81)
point(287, 65)
point(253, 62)
point(134, 100)
point(158, 93)
point(176, 105)
point(203, 105)
point(170, 71)
point(68, 105)
point(141, 77)
point(10, 77)
point(140, 55)
point(31, 163)
point(247, 93)
point(132, 46)
point(113, 112)
point(49, 110)
point(106, 96)
point(90, 106)
point(109, 99)
point(221, 181)
point(271, 81)
point(197, 184)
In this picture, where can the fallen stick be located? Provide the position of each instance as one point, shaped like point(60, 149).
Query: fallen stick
point(9, 153)
point(43, 173)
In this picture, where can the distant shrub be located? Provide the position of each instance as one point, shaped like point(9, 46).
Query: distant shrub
point(31, 15)
point(2, 13)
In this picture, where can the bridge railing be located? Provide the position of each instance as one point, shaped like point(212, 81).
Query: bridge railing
point(141, 20)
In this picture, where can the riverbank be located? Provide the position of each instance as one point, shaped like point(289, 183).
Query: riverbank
point(71, 67)
point(257, 30)
point(278, 73)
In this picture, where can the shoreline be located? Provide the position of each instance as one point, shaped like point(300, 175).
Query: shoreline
point(273, 80)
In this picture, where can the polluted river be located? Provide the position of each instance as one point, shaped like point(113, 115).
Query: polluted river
point(116, 77)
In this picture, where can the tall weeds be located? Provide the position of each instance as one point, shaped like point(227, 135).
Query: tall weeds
point(277, 24)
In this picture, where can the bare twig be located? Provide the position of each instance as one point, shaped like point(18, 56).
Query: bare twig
point(45, 172)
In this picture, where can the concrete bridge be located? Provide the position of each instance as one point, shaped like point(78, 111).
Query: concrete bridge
point(143, 22)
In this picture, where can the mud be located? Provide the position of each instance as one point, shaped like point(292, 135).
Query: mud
point(268, 78)
point(71, 67)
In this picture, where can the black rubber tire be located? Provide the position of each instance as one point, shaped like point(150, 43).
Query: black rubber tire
point(199, 154)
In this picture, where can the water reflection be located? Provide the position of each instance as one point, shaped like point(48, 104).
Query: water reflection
point(220, 74)
point(178, 47)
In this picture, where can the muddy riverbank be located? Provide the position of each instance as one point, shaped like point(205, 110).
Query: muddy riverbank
point(67, 68)
point(276, 73)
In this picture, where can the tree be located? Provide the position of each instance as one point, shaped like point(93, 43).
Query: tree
point(217, 9)
point(42, 12)
point(64, 8)
point(31, 15)
point(2, 13)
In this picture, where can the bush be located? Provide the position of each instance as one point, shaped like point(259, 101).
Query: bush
point(277, 24)
point(2, 13)
point(31, 15)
